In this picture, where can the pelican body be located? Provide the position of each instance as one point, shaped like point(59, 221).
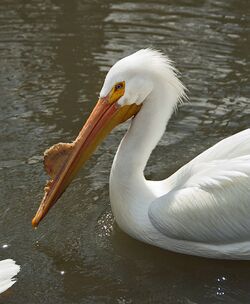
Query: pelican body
point(203, 209)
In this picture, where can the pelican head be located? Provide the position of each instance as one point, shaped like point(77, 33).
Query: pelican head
point(139, 74)
point(127, 85)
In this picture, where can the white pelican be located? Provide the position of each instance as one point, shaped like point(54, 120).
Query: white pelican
point(8, 269)
point(203, 209)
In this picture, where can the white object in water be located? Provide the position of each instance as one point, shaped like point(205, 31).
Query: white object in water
point(8, 269)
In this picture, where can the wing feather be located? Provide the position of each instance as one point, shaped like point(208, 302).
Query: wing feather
point(210, 197)
point(228, 148)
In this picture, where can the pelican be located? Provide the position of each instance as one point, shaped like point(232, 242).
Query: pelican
point(203, 209)
point(8, 269)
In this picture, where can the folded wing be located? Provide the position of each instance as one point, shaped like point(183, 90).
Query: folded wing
point(210, 197)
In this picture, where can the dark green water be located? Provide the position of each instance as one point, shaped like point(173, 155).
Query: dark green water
point(54, 55)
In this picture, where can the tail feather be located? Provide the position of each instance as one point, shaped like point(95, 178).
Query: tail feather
point(8, 269)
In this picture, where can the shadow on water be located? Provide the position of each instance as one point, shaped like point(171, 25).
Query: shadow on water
point(145, 272)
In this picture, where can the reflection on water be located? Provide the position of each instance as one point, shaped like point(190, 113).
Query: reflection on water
point(54, 56)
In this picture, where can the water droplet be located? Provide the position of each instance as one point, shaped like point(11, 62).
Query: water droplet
point(62, 272)
point(5, 246)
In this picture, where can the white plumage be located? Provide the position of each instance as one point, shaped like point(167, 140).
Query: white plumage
point(8, 269)
point(204, 208)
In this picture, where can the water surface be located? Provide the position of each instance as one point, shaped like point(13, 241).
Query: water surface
point(54, 55)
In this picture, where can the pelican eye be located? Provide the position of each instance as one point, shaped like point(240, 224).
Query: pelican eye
point(118, 86)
